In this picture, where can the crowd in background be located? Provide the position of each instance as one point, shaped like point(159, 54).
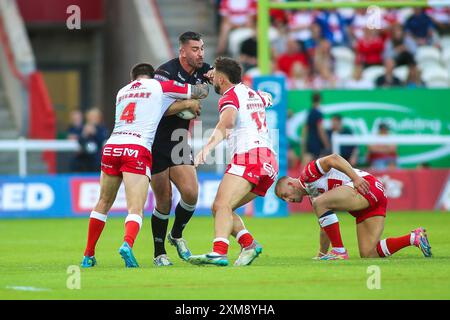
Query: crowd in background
point(316, 142)
point(303, 43)
point(91, 134)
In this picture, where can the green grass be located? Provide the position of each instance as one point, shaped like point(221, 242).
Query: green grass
point(37, 253)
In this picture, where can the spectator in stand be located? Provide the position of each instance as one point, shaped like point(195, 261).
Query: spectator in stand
point(369, 49)
point(76, 125)
point(388, 79)
point(333, 27)
point(235, 14)
point(349, 153)
point(400, 47)
point(414, 80)
point(322, 54)
point(357, 24)
point(420, 27)
point(297, 79)
point(248, 53)
point(314, 137)
point(358, 82)
point(299, 23)
point(325, 78)
point(294, 54)
point(441, 19)
point(278, 32)
point(92, 139)
point(74, 133)
point(382, 157)
point(323, 66)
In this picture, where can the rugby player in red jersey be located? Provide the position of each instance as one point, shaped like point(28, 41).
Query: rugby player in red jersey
point(127, 157)
point(333, 185)
point(253, 168)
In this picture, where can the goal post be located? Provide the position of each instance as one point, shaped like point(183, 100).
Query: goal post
point(263, 20)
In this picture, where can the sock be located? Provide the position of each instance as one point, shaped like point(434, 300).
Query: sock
point(159, 230)
point(330, 224)
point(96, 224)
point(183, 213)
point(221, 246)
point(244, 238)
point(389, 246)
point(133, 223)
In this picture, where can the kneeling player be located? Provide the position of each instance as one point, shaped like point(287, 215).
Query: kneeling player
point(252, 170)
point(333, 185)
point(140, 105)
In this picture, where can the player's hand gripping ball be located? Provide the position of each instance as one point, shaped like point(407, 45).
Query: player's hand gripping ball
point(194, 110)
point(186, 114)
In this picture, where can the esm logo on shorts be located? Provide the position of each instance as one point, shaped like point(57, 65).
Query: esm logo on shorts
point(118, 152)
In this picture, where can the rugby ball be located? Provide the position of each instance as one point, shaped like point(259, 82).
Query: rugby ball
point(186, 115)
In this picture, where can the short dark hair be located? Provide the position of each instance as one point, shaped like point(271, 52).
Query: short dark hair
point(230, 67)
point(383, 126)
point(189, 35)
point(142, 69)
point(316, 98)
point(278, 185)
point(337, 116)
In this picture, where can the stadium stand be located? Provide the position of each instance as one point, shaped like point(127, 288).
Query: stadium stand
point(396, 37)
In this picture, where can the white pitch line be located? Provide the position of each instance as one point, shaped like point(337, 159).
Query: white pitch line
point(21, 288)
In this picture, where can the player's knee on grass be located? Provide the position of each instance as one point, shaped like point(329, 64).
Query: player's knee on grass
point(372, 253)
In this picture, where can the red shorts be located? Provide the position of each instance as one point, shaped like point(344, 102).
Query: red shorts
point(133, 158)
point(377, 201)
point(258, 166)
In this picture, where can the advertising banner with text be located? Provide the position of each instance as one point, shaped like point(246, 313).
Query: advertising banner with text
point(417, 111)
point(424, 189)
point(50, 196)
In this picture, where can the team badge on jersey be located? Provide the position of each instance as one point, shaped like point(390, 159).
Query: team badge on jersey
point(136, 85)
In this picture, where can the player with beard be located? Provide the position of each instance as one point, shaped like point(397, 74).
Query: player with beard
point(173, 161)
point(253, 168)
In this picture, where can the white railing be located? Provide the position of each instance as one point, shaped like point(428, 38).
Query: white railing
point(337, 140)
point(22, 146)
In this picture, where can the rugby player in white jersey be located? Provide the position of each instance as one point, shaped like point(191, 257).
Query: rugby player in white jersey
point(126, 156)
point(253, 168)
point(333, 185)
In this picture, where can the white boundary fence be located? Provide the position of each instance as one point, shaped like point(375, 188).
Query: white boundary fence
point(22, 146)
point(337, 140)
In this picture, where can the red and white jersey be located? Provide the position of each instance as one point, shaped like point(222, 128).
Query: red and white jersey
point(140, 105)
point(316, 181)
point(251, 129)
point(238, 11)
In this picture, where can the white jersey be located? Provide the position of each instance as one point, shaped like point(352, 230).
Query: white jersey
point(316, 181)
point(251, 129)
point(140, 105)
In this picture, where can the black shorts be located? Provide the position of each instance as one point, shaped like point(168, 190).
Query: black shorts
point(169, 155)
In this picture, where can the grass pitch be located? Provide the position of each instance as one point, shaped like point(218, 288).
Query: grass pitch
point(35, 256)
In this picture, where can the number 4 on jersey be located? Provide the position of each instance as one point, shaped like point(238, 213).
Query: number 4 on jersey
point(128, 113)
